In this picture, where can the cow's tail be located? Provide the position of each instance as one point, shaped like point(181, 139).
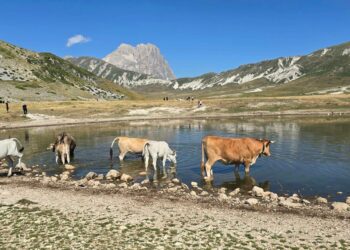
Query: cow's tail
point(145, 149)
point(111, 149)
point(20, 147)
point(203, 157)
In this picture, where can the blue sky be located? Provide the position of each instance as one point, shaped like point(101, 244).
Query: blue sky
point(195, 36)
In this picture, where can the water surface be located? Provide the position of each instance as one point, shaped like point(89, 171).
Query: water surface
point(311, 155)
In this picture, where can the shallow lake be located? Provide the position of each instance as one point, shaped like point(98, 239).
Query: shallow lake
point(311, 156)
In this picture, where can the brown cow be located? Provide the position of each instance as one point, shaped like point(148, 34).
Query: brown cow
point(126, 145)
point(232, 151)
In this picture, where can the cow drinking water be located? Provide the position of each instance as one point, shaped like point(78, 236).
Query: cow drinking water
point(11, 148)
point(232, 151)
point(155, 149)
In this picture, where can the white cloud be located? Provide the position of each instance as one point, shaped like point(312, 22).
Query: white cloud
point(77, 39)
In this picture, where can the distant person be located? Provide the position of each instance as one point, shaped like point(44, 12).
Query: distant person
point(200, 103)
point(7, 106)
point(25, 110)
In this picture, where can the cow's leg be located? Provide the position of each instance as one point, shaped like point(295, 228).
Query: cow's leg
point(57, 158)
point(63, 157)
point(237, 167)
point(164, 170)
point(154, 159)
point(122, 155)
point(247, 167)
point(68, 153)
point(208, 169)
point(146, 166)
point(10, 163)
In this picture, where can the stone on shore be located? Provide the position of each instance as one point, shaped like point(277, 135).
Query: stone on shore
point(123, 185)
point(234, 192)
point(69, 167)
point(289, 204)
point(321, 200)
point(347, 201)
point(340, 206)
point(194, 184)
point(176, 181)
point(113, 174)
point(222, 197)
point(126, 178)
point(100, 177)
point(91, 175)
point(257, 191)
point(251, 201)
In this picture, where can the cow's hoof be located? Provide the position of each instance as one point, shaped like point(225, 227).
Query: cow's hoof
point(208, 178)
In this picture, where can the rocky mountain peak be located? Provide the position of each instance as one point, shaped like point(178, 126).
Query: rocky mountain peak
point(143, 58)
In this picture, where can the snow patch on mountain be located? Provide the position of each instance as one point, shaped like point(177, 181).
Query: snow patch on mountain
point(285, 70)
point(346, 52)
point(324, 51)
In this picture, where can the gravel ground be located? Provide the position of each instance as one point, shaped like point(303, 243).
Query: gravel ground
point(38, 217)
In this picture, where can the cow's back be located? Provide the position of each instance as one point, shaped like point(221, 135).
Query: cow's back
point(135, 145)
point(229, 150)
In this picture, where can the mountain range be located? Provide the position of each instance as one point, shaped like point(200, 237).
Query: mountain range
point(323, 71)
point(326, 70)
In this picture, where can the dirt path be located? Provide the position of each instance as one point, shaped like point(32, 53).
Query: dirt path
point(41, 217)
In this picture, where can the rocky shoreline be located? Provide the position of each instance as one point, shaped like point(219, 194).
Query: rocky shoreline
point(173, 189)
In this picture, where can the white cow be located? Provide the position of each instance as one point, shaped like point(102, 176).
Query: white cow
point(155, 149)
point(11, 147)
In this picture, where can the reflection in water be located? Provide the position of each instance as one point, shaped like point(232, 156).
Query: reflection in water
point(310, 156)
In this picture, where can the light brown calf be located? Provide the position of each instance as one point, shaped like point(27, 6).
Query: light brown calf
point(64, 147)
point(126, 145)
point(232, 151)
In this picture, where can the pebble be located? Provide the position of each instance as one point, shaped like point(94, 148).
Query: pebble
point(340, 206)
point(321, 200)
point(234, 192)
point(204, 193)
point(193, 193)
point(222, 197)
point(347, 201)
point(176, 181)
point(123, 185)
point(251, 201)
point(257, 191)
point(69, 167)
point(91, 175)
point(113, 174)
point(194, 184)
point(126, 178)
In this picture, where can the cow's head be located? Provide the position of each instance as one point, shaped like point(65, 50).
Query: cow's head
point(172, 156)
point(266, 147)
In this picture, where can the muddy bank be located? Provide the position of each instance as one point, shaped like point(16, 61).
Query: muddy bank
point(128, 216)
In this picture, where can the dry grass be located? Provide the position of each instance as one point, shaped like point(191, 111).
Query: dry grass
point(116, 109)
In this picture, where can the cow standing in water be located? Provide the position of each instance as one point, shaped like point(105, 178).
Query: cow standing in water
point(127, 145)
point(155, 149)
point(64, 147)
point(11, 148)
point(232, 151)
